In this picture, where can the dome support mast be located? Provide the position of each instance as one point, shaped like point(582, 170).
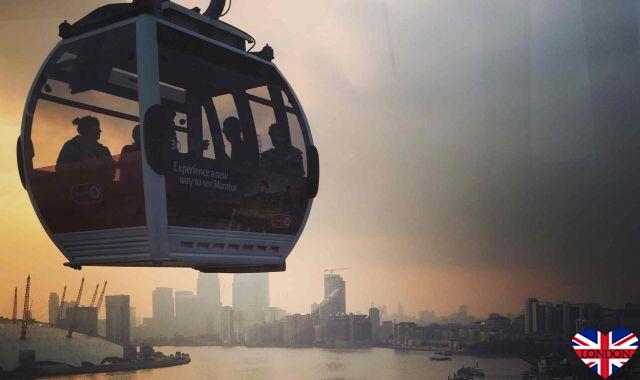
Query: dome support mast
point(76, 310)
point(95, 294)
point(64, 294)
point(104, 287)
point(25, 314)
point(15, 305)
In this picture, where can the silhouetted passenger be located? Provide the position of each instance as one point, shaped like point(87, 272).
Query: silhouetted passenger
point(283, 157)
point(240, 152)
point(85, 150)
point(130, 159)
point(135, 146)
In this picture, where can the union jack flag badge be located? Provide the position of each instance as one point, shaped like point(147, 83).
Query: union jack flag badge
point(605, 354)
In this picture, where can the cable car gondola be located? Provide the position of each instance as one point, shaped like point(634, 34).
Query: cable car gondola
point(153, 137)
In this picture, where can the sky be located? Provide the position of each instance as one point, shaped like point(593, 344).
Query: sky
point(463, 160)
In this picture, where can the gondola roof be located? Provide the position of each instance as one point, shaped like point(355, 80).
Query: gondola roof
point(190, 19)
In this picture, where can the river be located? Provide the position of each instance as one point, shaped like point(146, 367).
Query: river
point(314, 363)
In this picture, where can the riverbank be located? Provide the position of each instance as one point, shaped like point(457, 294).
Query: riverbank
point(64, 370)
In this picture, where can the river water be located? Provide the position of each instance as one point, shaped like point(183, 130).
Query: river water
point(315, 363)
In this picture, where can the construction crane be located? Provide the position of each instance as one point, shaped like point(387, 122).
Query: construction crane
point(25, 311)
point(335, 270)
point(15, 305)
point(91, 332)
point(64, 294)
point(95, 294)
point(74, 316)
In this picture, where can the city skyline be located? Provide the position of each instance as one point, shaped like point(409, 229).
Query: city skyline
point(147, 309)
point(537, 316)
point(167, 301)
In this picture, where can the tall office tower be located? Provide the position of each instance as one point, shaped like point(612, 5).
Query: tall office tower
point(163, 311)
point(250, 298)
point(548, 321)
point(227, 332)
point(531, 316)
point(335, 290)
point(54, 306)
point(118, 309)
point(132, 321)
point(209, 301)
point(570, 313)
point(374, 320)
point(188, 315)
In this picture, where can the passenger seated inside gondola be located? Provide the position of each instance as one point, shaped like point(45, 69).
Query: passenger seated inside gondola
point(135, 145)
point(240, 151)
point(130, 166)
point(283, 158)
point(84, 152)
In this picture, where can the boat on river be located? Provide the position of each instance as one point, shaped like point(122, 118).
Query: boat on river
point(439, 358)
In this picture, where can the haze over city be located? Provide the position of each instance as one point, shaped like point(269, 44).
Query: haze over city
point(402, 189)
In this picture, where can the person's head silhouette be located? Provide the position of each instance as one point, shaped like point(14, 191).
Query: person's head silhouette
point(232, 130)
point(279, 136)
point(136, 134)
point(88, 127)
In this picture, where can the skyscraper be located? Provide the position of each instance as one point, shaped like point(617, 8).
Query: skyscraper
point(250, 298)
point(54, 306)
point(209, 301)
point(118, 330)
point(531, 316)
point(163, 310)
point(570, 313)
point(374, 319)
point(335, 289)
point(227, 332)
point(132, 321)
point(187, 313)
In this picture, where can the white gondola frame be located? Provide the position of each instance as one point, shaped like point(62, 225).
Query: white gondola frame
point(157, 243)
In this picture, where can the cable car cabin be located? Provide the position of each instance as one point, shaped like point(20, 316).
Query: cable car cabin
point(151, 137)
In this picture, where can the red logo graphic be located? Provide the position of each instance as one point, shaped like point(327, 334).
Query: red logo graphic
point(282, 221)
point(86, 193)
